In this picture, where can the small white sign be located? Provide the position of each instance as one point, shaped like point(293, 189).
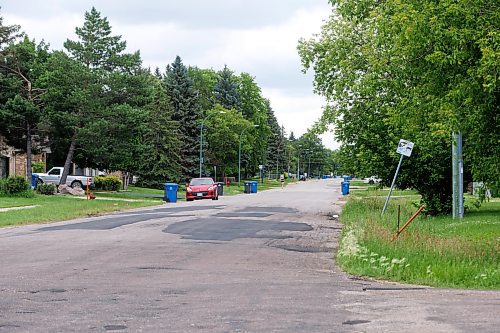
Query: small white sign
point(405, 147)
point(260, 166)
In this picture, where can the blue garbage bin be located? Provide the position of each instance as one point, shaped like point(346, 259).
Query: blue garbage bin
point(253, 186)
point(345, 188)
point(248, 187)
point(348, 178)
point(34, 180)
point(170, 192)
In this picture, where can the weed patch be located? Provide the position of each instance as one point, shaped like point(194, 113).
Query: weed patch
point(434, 251)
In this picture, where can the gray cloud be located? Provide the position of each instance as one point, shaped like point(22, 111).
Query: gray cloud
point(258, 37)
point(186, 13)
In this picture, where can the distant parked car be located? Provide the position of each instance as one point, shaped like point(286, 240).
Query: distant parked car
point(201, 188)
point(371, 180)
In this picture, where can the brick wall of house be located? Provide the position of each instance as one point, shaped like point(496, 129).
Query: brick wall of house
point(18, 163)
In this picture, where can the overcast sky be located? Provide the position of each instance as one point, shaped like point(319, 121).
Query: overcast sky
point(258, 37)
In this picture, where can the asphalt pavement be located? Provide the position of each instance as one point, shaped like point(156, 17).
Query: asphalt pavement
point(259, 262)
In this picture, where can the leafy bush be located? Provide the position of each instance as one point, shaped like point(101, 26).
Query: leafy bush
point(46, 189)
point(15, 186)
point(107, 183)
point(37, 167)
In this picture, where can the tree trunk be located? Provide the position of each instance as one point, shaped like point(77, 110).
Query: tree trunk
point(69, 158)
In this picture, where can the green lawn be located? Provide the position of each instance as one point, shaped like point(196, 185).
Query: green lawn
point(435, 251)
point(59, 208)
point(133, 192)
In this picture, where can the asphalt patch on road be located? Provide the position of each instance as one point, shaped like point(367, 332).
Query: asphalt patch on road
point(221, 229)
point(125, 218)
point(285, 210)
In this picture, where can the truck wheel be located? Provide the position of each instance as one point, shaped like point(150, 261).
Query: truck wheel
point(76, 184)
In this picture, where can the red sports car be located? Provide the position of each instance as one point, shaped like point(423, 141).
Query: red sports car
point(201, 188)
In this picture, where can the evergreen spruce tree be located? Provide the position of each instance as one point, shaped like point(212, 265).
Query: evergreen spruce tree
point(98, 49)
point(226, 90)
point(186, 112)
point(160, 161)
point(276, 144)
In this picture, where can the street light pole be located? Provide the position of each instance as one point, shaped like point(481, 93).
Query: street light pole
point(201, 137)
point(309, 167)
point(298, 166)
point(239, 154)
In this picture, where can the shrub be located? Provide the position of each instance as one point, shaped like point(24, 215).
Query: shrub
point(46, 189)
point(37, 167)
point(107, 183)
point(15, 186)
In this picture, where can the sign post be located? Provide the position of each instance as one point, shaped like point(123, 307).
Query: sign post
point(404, 148)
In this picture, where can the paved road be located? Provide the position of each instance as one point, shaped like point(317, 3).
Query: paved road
point(250, 263)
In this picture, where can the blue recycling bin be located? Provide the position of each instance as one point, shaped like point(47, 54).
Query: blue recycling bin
point(34, 180)
point(345, 188)
point(170, 192)
point(347, 178)
point(253, 186)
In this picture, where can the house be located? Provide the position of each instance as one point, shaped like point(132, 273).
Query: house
point(13, 161)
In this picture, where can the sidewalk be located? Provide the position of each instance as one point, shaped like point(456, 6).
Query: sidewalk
point(17, 208)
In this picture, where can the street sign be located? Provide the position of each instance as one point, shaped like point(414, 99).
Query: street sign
point(405, 147)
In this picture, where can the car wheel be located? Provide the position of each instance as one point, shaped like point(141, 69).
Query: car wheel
point(39, 182)
point(371, 182)
point(76, 184)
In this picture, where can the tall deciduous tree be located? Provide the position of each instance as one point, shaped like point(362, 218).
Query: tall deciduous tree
point(21, 66)
point(223, 133)
point(204, 81)
point(186, 111)
point(412, 69)
point(110, 77)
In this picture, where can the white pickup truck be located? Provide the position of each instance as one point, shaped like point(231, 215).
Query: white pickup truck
point(53, 176)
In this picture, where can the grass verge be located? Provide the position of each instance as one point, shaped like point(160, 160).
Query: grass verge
point(59, 208)
point(434, 251)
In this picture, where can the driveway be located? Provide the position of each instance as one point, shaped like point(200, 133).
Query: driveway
point(250, 263)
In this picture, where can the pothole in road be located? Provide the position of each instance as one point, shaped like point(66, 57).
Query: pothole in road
point(391, 288)
point(249, 214)
point(115, 327)
point(152, 268)
point(305, 249)
point(355, 322)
